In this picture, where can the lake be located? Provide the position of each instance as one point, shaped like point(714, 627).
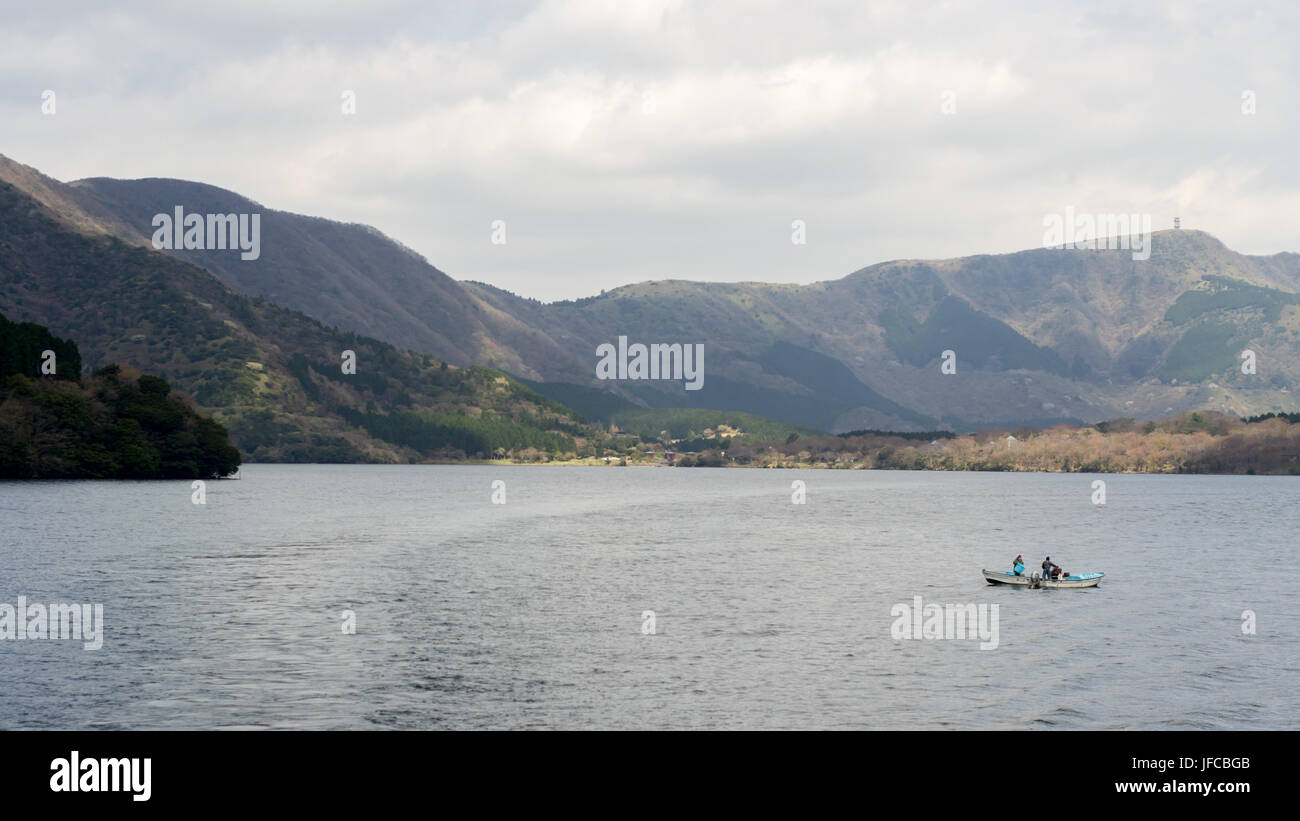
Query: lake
point(611, 597)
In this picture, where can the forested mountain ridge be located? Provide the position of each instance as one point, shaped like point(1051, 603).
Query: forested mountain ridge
point(1038, 336)
point(273, 376)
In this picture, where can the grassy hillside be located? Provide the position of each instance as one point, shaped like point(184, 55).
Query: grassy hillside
point(274, 377)
point(593, 404)
point(1042, 334)
point(669, 425)
point(984, 342)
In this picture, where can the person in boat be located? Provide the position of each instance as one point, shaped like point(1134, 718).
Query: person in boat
point(1018, 565)
point(1050, 569)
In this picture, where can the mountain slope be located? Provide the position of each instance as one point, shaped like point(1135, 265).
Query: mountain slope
point(274, 377)
point(1038, 336)
point(347, 275)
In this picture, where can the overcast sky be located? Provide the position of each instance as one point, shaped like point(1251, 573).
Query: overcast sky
point(627, 141)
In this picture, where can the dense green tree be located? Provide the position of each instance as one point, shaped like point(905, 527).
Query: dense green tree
point(115, 423)
point(22, 345)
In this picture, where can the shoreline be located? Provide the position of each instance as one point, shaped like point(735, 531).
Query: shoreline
point(796, 466)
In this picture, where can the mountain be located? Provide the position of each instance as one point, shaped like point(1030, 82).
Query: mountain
point(1039, 336)
point(274, 377)
point(346, 275)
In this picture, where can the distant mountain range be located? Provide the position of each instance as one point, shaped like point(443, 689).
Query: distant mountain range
point(1039, 336)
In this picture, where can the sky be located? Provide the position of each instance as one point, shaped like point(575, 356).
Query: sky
point(556, 149)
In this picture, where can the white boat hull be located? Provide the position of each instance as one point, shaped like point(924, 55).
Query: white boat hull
point(1034, 581)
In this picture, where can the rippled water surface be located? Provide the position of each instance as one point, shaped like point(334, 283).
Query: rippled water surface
point(767, 614)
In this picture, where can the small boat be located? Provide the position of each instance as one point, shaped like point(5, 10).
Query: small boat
point(1035, 581)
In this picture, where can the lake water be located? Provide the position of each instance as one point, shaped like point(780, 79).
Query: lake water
point(767, 614)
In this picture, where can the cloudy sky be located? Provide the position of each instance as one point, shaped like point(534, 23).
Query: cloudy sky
point(626, 141)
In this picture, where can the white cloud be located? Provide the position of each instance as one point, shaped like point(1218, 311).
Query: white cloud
point(630, 141)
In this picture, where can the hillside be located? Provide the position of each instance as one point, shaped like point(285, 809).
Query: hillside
point(1040, 336)
point(113, 424)
point(273, 376)
point(346, 275)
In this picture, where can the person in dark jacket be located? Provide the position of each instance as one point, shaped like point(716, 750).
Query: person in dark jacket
point(1018, 565)
point(1050, 570)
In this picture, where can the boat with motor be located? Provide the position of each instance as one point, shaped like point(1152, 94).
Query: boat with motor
point(1035, 582)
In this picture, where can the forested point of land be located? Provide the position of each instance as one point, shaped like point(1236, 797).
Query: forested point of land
point(116, 423)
